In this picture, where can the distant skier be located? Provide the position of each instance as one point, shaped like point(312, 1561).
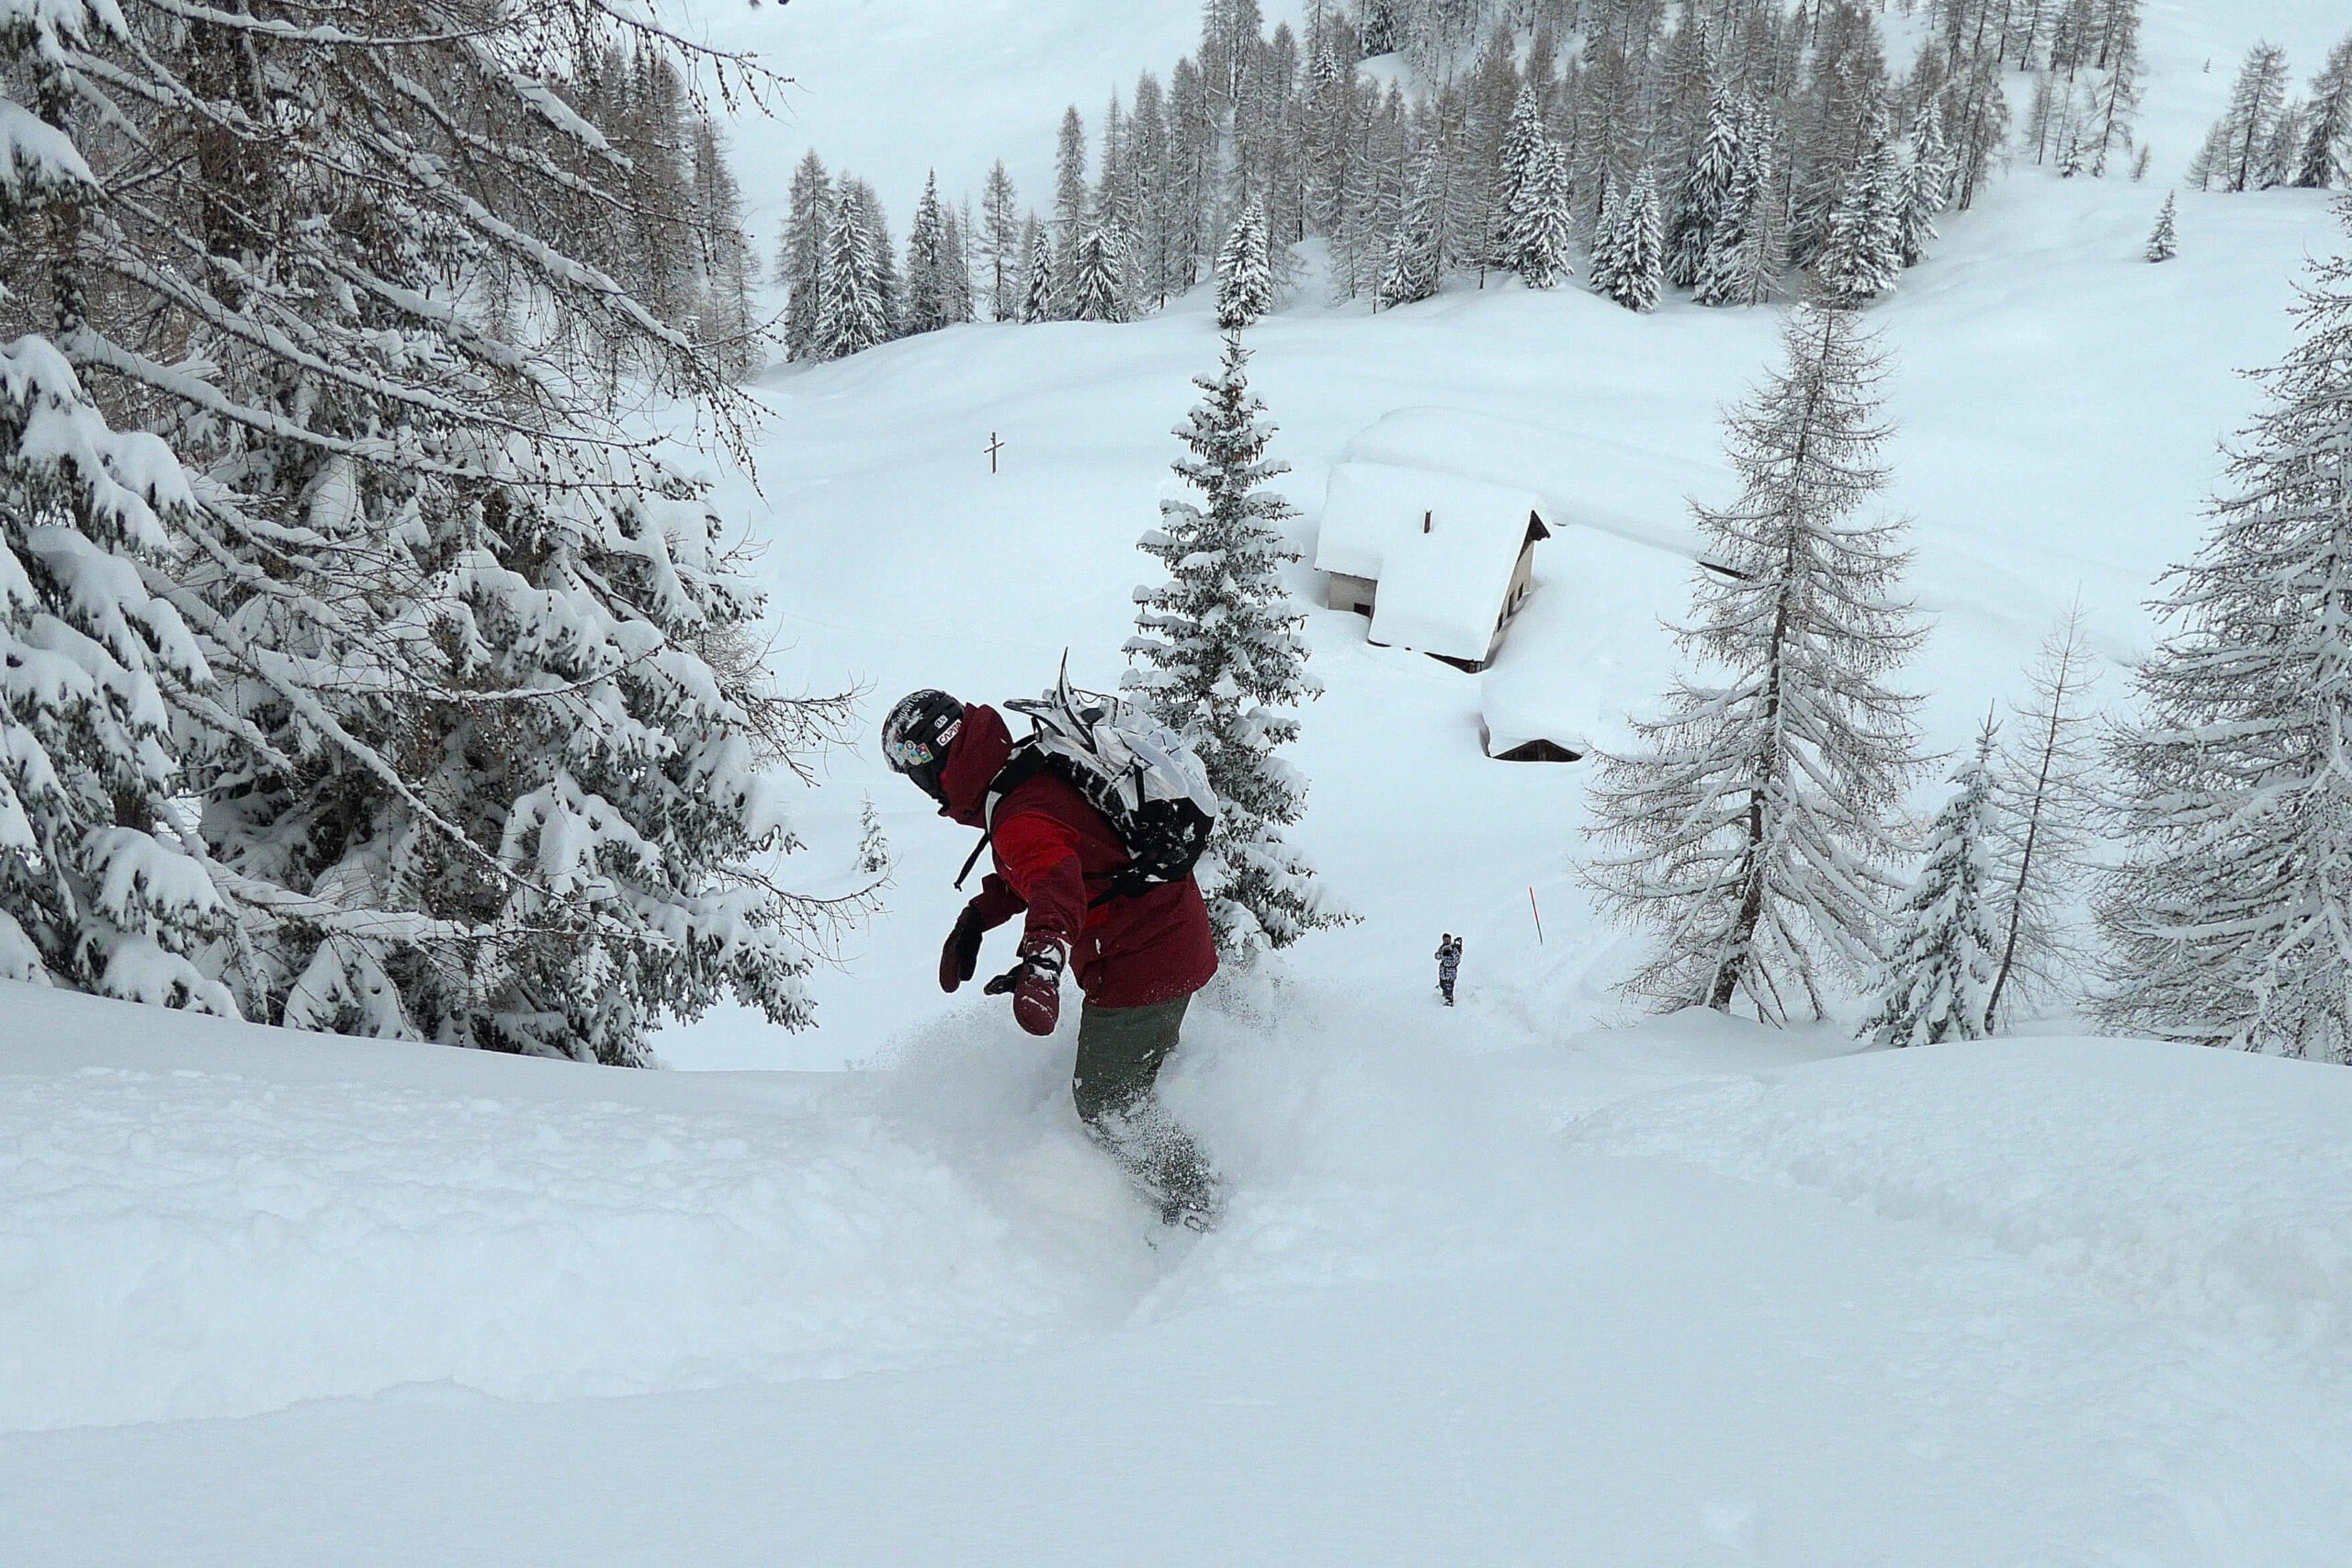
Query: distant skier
point(1449, 964)
point(1140, 958)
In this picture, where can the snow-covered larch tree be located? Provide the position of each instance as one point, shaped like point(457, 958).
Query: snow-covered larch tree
point(2230, 921)
point(800, 259)
point(1224, 664)
point(2046, 798)
point(1245, 275)
point(727, 323)
point(1936, 979)
point(2164, 239)
point(2232, 156)
point(998, 245)
point(2330, 128)
point(1070, 223)
point(1749, 833)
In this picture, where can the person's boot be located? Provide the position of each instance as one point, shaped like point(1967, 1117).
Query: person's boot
point(1191, 1198)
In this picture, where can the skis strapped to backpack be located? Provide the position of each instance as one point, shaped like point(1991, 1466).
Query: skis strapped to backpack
point(1127, 765)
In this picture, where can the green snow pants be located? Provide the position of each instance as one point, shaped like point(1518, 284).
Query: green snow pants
point(1120, 1052)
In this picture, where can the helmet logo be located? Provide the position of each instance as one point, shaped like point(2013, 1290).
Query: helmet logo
point(908, 754)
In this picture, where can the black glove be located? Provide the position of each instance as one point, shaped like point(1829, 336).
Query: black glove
point(962, 953)
point(1035, 984)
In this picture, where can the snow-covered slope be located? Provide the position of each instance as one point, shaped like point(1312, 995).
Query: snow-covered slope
point(1500, 1285)
point(2061, 404)
point(1664, 1296)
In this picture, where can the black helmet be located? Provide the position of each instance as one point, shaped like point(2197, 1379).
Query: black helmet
point(916, 737)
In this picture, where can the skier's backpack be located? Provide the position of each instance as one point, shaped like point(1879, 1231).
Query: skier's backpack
point(1127, 765)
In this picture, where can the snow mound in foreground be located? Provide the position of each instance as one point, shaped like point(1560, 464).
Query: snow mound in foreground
point(205, 1219)
point(279, 1219)
point(2202, 1184)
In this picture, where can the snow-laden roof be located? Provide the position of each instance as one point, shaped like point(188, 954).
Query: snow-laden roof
point(1442, 547)
point(1588, 646)
point(1637, 492)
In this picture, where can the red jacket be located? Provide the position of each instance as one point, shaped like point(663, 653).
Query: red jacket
point(1054, 856)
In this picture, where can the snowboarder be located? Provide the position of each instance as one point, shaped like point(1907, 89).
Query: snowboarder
point(1449, 964)
point(1138, 957)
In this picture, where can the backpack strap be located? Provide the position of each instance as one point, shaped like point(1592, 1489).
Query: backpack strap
point(1025, 764)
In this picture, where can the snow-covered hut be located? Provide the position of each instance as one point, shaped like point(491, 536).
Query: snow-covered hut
point(1440, 562)
point(1588, 650)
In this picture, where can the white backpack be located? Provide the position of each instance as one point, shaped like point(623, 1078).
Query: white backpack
point(1134, 769)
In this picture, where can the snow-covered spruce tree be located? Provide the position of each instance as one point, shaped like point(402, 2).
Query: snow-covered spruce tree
point(956, 292)
point(1635, 270)
point(930, 293)
point(1245, 278)
point(2046, 798)
point(1223, 664)
point(1540, 240)
point(1601, 264)
point(1862, 256)
point(1744, 250)
point(889, 289)
point(1098, 287)
point(1038, 288)
point(1936, 979)
point(485, 759)
point(1926, 187)
point(1415, 264)
point(800, 259)
point(1520, 158)
point(853, 311)
point(1750, 832)
point(2163, 241)
point(97, 891)
point(2230, 921)
point(1699, 196)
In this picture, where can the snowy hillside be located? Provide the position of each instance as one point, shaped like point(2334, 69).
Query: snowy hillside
point(2060, 407)
point(1534, 1279)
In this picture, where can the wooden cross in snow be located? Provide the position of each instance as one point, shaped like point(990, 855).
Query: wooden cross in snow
point(994, 446)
